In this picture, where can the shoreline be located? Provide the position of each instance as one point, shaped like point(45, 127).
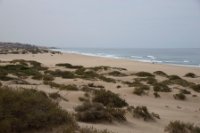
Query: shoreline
point(123, 58)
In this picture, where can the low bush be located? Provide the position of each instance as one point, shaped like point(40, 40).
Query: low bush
point(184, 91)
point(54, 95)
point(109, 80)
point(26, 110)
point(181, 127)
point(143, 112)
point(174, 77)
point(148, 80)
point(108, 98)
point(96, 112)
point(180, 96)
point(190, 75)
point(61, 86)
point(161, 73)
point(144, 74)
point(196, 87)
point(91, 130)
point(156, 95)
point(63, 74)
point(95, 86)
point(117, 74)
point(141, 90)
point(160, 87)
point(92, 112)
point(67, 65)
point(48, 77)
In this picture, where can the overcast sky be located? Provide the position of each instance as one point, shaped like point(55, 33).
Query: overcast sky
point(102, 23)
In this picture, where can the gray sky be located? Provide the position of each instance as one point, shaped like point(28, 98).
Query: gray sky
point(102, 23)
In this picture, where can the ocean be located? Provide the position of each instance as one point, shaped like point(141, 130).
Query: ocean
point(182, 56)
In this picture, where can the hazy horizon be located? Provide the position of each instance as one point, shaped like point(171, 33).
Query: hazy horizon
point(102, 23)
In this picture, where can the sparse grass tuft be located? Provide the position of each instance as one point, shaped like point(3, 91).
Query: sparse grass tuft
point(181, 127)
point(144, 74)
point(109, 99)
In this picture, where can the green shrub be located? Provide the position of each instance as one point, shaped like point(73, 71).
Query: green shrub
point(117, 74)
point(96, 112)
point(95, 86)
point(156, 95)
point(174, 77)
point(92, 130)
point(63, 74)
point(92, 112)
point(110, 80)
point(191, 75)
point(181, 127)
point(161, 73)
point(142, 112)
point(160, 87)
point(184, 91)
point(48, 77)
point(26, 110)
point(144, 74)
point(67, 65)
point(54, 95)
point(180, 96)
point(108, 98)
point(61, 86)
point(141, 90)
point(196, 87)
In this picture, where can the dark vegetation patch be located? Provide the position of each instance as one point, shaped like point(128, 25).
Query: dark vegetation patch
point(142, 112)
point(91, 130)
point(184, 91)
point(106, 68)
point(61, 86)
point(67, 65)
point(96, 112)
point(180, 96)
point(144, 74)
point(160, 87)
point(160, 73)
point(63, 74)
point(141, 90)
point(117, 74)
point(95, 86)
point(108, 98)
point(26, 110)
point(156, 95)
point(181, 127)
point(190, 75)
point(196, 87)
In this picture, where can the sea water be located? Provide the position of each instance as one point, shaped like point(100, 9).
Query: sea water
point(176, 56)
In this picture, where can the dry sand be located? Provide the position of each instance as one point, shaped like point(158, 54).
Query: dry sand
point(167, 107)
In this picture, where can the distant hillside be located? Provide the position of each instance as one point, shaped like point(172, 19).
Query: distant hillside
point(19, 48)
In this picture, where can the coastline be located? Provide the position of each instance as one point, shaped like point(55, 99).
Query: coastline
point(137, 58)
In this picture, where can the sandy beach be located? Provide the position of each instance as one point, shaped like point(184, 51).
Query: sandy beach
point(168, 108)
